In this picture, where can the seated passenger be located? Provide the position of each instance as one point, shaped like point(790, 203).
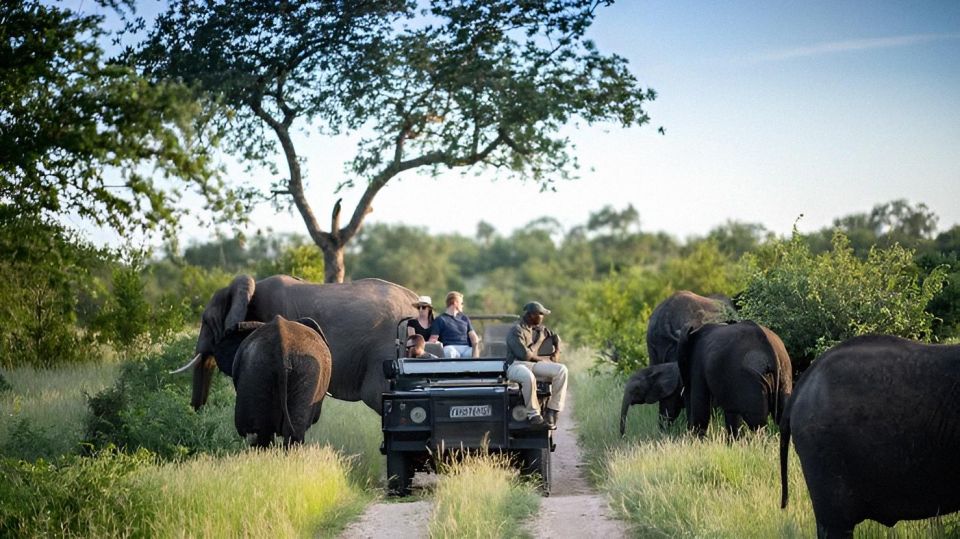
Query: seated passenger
point(525, 366)
point(421, 324)
point(415, 348)
point(454, 330)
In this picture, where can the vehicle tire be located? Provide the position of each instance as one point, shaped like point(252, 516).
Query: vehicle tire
point(536, 462)
point(399, 473)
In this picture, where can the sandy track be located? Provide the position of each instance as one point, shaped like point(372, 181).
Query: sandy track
point(573, 509)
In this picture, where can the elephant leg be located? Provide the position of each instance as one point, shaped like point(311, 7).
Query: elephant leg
point(732, 420)
point(699, 412)
point(263, 439)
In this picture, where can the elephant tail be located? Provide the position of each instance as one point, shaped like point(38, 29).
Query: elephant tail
point(284, 383)
point(624, 408)
point(784, 454)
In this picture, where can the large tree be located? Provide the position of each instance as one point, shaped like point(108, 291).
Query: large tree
point(80, 135)
point(485, 83)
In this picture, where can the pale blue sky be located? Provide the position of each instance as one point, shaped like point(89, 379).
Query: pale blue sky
point(771, 110)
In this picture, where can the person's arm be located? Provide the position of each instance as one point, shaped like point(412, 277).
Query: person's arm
point(474, 342)
point(410, 331)
point(435, 330)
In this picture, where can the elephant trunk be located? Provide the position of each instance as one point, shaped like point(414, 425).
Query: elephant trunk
point(624, 408)
point(202, 378)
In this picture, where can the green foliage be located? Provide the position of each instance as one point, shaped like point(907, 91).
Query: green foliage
point(54, 499)
point(816, 301)
point(614, 314)
point(704, 269)
point(86, 137)
point(127, 320)
point(45, 268)
point(4, 384)
point(149, 408)
point(302, 261)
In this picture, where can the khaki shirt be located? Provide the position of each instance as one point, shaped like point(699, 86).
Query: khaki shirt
point(523, 342)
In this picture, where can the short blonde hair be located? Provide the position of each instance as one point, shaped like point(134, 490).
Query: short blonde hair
point(451, 296)
point(415, 340)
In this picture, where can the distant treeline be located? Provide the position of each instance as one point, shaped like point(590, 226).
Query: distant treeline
point(63, 299)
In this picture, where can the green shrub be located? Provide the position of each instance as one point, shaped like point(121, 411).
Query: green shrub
point(816, 301)
point(72, 497)
point(4, 385)
point(149, 408)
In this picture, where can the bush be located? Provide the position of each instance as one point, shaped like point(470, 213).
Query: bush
point(73, 497)
point(149, 408)
point(814, 302)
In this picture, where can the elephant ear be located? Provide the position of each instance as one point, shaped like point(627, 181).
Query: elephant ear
point(239, 296)
point(312, 324)
point(665, 381)
point(226, 349)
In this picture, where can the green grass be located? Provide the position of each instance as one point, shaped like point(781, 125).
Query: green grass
point(353, 430)
point(482, 496)
point(41, 415)
point(275, 493)
point(674, 485)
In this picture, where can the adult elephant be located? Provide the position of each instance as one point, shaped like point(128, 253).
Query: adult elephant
point(669, 320)
point(281, 372)
point(876, 423)
point(359, 319)
point(742, 368)
point(656, 383)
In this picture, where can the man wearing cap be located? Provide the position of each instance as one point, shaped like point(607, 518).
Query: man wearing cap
point(527, 340)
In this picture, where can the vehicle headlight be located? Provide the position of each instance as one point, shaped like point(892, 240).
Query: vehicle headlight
point(418, 414)
point(519, 412)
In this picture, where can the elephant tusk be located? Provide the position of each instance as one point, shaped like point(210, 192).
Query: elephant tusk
point(190, 364)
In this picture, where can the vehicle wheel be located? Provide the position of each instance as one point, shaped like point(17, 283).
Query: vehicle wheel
point(537, 462)
point(399, 473)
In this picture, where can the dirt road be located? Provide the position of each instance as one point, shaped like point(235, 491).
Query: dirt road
point(573, 509)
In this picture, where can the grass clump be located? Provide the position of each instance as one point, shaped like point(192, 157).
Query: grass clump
point(482, 496)
point(353, 429)
point(297, 493)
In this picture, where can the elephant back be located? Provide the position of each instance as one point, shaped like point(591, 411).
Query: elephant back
point(681, 311)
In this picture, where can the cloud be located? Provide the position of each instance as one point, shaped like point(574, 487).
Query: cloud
point(834, 47)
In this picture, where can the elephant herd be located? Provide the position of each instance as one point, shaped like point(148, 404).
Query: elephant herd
point(875, 420)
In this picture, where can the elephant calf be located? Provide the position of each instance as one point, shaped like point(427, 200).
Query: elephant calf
point(876, 423)
point(281, 372)
point(657, 383)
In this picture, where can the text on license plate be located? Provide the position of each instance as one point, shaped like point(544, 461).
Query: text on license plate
point(484, 410)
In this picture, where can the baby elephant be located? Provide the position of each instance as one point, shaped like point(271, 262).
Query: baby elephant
point(281, 372)
point(657, 383)
point(876, 423)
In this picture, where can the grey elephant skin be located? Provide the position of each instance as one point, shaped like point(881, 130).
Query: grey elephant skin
point(649, 385)
point(359, 318)
point(669, 319)
point(281, 373)
point(742, 368)
point(876, 423)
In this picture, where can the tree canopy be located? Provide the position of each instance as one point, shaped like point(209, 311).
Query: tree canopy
point(488, 83)
point(85, 136)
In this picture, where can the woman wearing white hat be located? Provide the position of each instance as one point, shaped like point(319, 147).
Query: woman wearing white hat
point(421, 324)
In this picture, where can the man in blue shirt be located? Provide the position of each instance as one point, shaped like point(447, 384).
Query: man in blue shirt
point(454, 330)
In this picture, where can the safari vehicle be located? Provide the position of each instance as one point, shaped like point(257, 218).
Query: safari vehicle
point(436, 408)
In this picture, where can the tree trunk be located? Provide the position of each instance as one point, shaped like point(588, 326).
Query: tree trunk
point(333, 269)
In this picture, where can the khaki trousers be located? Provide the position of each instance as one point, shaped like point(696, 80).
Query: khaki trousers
point(527, 374)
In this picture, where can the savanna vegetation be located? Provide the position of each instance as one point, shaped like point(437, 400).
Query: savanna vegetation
point(97, 439)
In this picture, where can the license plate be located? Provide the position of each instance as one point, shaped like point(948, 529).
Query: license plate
point(484, 410)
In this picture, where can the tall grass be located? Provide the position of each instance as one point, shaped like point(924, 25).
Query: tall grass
point(482, 496)
point(353, 429)
point(41, 415)
point(297, 493)
point(674, 485)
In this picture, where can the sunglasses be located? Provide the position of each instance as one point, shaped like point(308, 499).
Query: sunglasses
point(422, 307)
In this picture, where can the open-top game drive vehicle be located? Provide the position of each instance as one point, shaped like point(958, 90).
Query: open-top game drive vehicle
point(437, 407)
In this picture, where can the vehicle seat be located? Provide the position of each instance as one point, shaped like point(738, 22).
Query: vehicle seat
point(495, 349)
point(435, 348)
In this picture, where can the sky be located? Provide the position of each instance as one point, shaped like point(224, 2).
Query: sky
point(772, 110)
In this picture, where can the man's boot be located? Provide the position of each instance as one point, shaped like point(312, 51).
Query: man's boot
point(551, 418)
